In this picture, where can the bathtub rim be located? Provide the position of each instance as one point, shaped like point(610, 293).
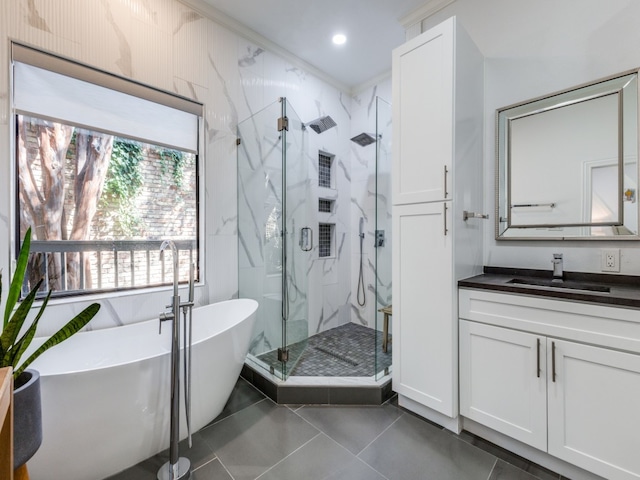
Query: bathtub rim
point(76, 370)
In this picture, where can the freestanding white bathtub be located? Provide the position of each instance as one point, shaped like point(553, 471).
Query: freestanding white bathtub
point(106, 393)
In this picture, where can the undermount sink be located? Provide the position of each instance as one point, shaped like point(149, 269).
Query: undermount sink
point(562, 284)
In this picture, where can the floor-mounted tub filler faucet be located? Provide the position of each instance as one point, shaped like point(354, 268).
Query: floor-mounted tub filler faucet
point(558, 272)
point(178, 468)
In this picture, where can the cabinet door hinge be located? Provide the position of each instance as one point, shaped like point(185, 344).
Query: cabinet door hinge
point(238, 141)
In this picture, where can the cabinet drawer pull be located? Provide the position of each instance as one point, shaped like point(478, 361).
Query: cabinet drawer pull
point(446, 171)
point(445, 220)
point(553, 361)
point(538, 359)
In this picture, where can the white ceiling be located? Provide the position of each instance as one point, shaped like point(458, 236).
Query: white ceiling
point(305, 28)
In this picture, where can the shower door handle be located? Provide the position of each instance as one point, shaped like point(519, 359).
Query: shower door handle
point(306, 239)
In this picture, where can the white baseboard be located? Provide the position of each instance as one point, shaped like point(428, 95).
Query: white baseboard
point(449, 423)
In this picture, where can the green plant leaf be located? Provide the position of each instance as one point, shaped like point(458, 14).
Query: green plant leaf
point(24, 342)
point(12, 328)
point(75, 324)
point(18, 277)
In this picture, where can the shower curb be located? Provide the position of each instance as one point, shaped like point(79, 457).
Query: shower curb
point(318, 394)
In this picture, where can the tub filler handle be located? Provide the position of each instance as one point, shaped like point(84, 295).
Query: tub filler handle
point(164, 317)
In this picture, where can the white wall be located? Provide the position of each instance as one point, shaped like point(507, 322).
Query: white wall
point(167, 45)
point(535, 48)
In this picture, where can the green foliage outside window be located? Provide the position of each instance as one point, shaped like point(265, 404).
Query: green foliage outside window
point(175, 160)
point(124, 178)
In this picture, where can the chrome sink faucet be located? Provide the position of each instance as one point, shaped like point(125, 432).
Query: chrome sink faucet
point(558, 272)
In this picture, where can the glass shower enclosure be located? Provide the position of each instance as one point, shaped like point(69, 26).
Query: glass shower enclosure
point(274, 236)
point(383, 237)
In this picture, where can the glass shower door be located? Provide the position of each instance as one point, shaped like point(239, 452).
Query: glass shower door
point(274, 240)
point(298, 240)
point(260, 230)
point(383, 229)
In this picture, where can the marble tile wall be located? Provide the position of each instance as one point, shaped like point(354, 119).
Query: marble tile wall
point(160, 43)
point(169, 46)
point(365, 204)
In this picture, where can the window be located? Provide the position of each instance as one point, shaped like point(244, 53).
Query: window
point(103, 177)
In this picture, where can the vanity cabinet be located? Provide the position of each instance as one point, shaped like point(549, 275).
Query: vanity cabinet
point(552, 386)
point(593, 408)
point(437, 84)
point(503, 382)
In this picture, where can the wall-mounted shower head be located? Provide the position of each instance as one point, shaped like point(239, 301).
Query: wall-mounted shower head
point(364, 139)
point(361, 227)
point(321, 124)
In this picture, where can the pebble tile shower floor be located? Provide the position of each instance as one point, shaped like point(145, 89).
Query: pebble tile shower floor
point(350, 350)
point(254, 438)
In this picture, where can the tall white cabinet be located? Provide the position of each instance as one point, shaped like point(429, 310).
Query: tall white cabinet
point(437, 174)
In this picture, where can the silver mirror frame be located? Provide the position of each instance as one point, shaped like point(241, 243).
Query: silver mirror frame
point(626, 85)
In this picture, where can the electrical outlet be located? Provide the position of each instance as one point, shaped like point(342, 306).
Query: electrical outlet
point(610, 260)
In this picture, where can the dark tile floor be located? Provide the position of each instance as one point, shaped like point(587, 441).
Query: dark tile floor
point(255, 438)
point(349, 350)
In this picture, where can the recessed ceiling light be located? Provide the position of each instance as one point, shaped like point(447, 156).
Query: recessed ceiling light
point(339, 39)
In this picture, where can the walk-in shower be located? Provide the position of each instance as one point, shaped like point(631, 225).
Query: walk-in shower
point(283, 207)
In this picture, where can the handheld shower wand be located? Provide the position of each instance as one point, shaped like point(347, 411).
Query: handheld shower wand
point(360, 275)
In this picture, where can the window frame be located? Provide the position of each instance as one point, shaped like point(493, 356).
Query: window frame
point(57, 64)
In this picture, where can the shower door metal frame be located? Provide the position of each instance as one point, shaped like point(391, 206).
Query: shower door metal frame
point(289, 124)
point(283, 128)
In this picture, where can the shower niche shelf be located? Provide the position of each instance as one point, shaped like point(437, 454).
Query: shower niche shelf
point(326, 243)
point(325, 205)
point(325, 170)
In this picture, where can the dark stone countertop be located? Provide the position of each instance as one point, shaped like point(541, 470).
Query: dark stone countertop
point(623, 290)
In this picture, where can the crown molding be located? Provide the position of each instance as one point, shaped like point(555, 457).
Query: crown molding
point(424, 12)
point(210, 12)
point(377, 80)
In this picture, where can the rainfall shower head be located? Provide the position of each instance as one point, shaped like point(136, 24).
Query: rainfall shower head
point(364, 139)
point(321, 124)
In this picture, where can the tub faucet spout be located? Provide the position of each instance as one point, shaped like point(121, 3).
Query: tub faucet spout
point(174, 252)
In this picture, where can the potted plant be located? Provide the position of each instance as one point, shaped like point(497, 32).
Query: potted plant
point(27, 412)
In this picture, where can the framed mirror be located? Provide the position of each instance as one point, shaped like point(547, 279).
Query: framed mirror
point(567, 164)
